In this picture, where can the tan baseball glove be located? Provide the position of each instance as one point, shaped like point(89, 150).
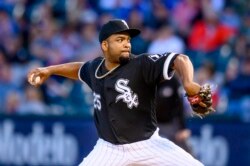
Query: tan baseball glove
point(201, 103)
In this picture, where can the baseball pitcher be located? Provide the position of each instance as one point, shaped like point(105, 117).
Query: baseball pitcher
point(124, 88)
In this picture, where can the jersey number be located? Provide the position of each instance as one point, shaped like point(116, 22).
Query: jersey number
point(97, 101)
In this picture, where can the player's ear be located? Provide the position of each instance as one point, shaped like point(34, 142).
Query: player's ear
point(104, 45)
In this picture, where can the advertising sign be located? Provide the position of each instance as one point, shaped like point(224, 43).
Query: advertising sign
point(45, 140)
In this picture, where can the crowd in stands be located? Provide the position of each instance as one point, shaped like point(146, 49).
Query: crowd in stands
point(215, 34)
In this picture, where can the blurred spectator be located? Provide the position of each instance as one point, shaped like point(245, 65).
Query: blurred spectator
point(8, 25)
point(12, 103)
point(32, 102)
point(140, 43)
point(207, 37)
point(206, 74)
point(245, 28)
point(66, 43)
point(237, 80)
point(56, 92)
point(184, 13)
point(104, 17)
point(114, 4)
point(42, 13)
point(11, 38)
point(230, 18)
point(5, 79)
point(15, 51)
point(89, 44)
point(240, 85)
point(240, 47)
point(3, 56)
point(42, 37)
point(209, 34)
point(118, 8)
point(82, 102)
point(160, 15)
point(171, 4)
point(80, 11)
point(215, 5)
point(166, 40)
point(170, 113)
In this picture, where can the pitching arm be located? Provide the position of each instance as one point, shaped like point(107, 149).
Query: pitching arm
point(184, 68)
point(38, 76)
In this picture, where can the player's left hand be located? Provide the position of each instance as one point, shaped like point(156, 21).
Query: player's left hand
point(201, 103)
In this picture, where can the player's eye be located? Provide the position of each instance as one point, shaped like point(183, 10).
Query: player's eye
point(119, 40)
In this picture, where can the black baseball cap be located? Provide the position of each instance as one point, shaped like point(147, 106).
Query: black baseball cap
point(116, 26)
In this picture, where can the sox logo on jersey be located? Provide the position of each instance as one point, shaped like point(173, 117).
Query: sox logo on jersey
point(127, 94)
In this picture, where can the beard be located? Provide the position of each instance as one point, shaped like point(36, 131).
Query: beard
point(124, 60)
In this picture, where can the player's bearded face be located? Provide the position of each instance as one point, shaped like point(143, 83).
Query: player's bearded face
point(120, 48)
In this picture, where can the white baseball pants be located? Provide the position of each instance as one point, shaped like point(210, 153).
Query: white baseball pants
point(156, 151)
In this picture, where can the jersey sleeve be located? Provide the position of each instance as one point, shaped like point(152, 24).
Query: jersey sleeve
point(158, 66)
point(84, 74)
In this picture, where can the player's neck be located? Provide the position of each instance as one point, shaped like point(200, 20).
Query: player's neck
point(109, 65)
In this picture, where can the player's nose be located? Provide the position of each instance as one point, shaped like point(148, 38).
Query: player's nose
point(127, 45)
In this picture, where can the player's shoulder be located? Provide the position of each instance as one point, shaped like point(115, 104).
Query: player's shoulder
point(91, 65)
point(153, 57)
point(94, 62)
point(141, 56)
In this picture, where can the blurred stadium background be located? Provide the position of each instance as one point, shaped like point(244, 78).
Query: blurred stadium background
point(52, 125)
